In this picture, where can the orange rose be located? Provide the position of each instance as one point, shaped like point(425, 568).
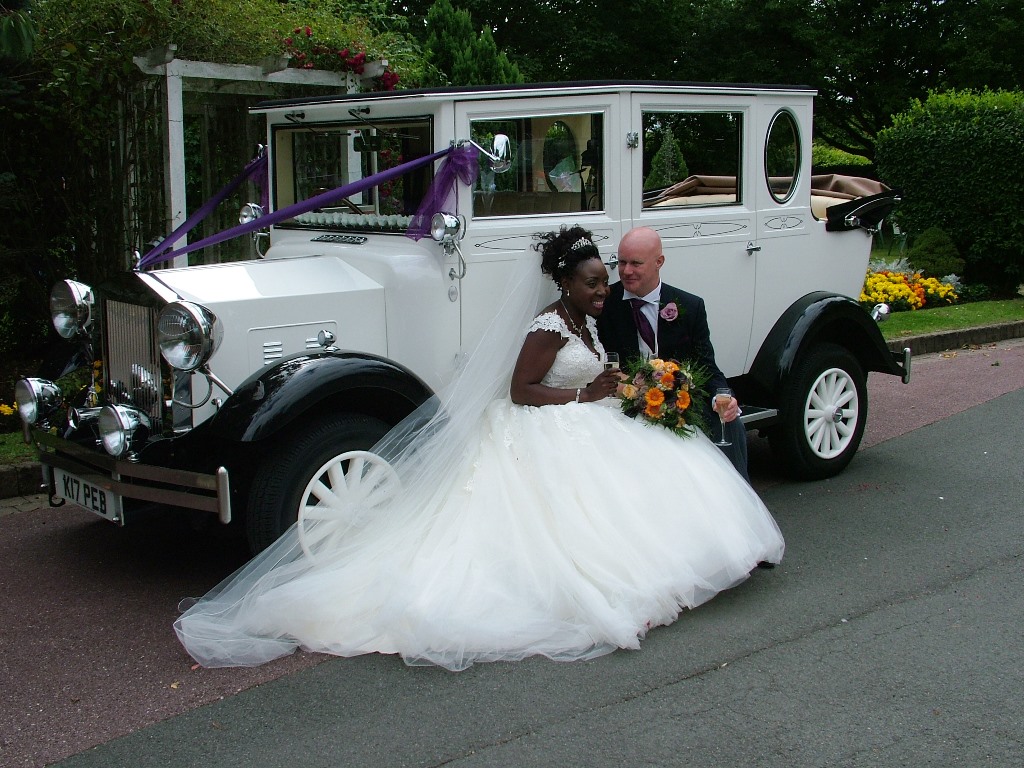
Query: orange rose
point(668, 380)
point(683, 400)
point(671, 367)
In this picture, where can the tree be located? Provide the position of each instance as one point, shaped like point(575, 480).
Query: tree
point(459, 55)
point(868, 59)
point(667, 165)
point(17, 30)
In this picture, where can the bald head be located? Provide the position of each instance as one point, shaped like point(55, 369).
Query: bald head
point(640, 260)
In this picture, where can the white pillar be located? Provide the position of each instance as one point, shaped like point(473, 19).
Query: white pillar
point(175, 180)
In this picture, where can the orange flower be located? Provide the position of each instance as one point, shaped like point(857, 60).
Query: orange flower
point(683, 400)
point(668, 380)
point(653, 411)
point(671, 367)
point(654, 397)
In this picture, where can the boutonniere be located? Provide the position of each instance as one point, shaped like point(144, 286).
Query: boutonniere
point(669, 312)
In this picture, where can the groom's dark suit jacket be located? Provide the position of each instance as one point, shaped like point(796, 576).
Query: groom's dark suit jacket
point(687, 338)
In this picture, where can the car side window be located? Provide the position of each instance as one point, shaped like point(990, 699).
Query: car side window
point(782, 156)
point(556, 166)
point(691, 158)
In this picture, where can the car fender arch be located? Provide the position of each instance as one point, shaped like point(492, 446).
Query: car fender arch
point(274, 398)
point(820, 317)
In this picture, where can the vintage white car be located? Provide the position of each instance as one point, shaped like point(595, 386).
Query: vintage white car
point(242, 389)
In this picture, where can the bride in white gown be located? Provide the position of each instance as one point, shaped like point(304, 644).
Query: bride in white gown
point(548, 523)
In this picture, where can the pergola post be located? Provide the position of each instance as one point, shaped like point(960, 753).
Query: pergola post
point(240, 78)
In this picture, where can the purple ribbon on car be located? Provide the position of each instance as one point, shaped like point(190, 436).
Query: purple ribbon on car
point(461, 164)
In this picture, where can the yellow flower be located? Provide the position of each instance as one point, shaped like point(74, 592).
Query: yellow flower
point(6, 410)
point(629, 391)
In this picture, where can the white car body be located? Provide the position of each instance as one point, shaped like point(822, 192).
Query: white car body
point(345, 314)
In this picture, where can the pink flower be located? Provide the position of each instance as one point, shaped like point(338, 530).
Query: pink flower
point(669, 312)
point(309, 32)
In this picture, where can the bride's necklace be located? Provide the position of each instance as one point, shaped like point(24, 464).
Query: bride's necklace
point(568, 314)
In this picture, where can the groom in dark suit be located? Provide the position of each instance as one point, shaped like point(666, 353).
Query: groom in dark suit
point(645, 317)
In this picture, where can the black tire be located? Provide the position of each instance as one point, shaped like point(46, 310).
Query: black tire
point(823, 410)
point(276, 492)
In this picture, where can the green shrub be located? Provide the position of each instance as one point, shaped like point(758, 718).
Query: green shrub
point(935, 254)
point(826, 159)
point(958, 158)
point(975, 292)
point(667, 165)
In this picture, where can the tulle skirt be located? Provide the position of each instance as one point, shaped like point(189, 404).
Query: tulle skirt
point(567, 531)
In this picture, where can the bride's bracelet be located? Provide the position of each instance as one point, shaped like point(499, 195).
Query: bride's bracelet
point(578, 390)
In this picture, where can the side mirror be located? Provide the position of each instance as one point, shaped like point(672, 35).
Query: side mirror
point(501, 153)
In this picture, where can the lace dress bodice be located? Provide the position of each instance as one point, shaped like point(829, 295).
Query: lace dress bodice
point(575, 365)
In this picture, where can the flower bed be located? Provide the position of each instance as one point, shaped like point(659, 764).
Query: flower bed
point(905, 290)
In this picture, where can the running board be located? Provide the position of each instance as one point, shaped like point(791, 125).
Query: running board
point(753, 414)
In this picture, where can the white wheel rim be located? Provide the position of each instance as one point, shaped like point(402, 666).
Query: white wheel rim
point(344, 490)
point(831, 413)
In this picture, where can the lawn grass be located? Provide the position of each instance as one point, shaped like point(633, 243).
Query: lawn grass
point(915, 323)
point(13, 449)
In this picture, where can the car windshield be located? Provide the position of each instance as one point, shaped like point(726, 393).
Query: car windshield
point(313, 159)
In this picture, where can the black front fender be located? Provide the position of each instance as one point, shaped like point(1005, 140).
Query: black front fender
point(274, 398)
point(822, 317)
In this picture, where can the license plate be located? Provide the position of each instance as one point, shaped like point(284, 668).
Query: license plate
point(87, 495)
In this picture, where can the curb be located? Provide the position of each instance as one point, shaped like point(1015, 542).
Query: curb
point(22, 479)
point(25, 479)
point(939, 342)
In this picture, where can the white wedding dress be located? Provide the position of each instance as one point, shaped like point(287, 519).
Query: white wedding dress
point(567, 531)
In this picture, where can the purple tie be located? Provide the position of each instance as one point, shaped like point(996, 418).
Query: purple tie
point(643, 325)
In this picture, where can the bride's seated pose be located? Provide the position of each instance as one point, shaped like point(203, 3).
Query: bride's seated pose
point(532, 516)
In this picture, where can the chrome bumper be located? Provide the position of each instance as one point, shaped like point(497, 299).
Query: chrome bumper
point(129, 480)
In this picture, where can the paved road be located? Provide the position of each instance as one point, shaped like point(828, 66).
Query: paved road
point(889, 636)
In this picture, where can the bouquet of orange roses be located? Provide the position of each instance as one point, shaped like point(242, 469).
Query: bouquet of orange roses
point(667, 393)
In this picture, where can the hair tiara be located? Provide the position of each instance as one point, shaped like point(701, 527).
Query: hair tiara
point(583, 242)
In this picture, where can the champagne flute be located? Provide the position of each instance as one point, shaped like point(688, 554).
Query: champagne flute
point(610, 360)
point(723, 396)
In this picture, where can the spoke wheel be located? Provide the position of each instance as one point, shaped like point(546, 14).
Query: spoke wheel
point(340, 494)
point(318, 464)
point(831, 413)
point(823, 410)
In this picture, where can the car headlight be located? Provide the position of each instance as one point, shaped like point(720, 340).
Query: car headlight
point(250, 212)
point(443, 225)
point(188, 335)
point(122, 428)
point(36, 399)
point(71, 305)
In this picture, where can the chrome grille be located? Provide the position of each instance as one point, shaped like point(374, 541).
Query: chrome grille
point(132, 365)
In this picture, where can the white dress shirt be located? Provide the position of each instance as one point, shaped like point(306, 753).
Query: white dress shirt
point(650, 310)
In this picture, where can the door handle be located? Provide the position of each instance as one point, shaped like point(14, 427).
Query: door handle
point(751, 248)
